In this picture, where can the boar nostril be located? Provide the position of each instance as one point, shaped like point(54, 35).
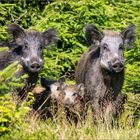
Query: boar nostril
point(121, 65)
point(117, 66)
point(35, 65)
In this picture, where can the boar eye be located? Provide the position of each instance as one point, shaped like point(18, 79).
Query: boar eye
point(26, 46)
point(121, 47)
point(74, 94)
point(41, 47)
point(58, 88)
point(105, 47)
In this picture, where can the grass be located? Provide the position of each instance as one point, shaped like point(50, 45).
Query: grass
point(32, 128)
point(3, 49)
point(62, 130)
point(25, 127)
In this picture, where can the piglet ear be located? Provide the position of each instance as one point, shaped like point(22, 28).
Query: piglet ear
point(17, 32)
point(62, 79)
point(93, 35)
point(49, 36)
point(81, 89)
point(128, 35)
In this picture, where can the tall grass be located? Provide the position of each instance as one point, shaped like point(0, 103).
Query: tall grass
point(69, 17)
point(31, 127)
point(35, 129)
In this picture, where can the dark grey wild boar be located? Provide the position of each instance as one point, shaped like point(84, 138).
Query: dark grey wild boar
point(101, 69)
point(27, 47)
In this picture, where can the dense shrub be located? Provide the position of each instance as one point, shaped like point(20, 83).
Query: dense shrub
point(24, 13)
point(10, 113)
point(68, 17)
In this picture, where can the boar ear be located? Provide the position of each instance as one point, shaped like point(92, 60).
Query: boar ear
point(93, 35)
point(17, 32)
point(49, 36)
point(81, 89)
point(128, 35)
point(46, 83)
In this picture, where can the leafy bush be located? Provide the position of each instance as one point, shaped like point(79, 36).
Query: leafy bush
point(132, 78)
point(68, 17)
point(10, 113)
point(11, 116)
point(24, 13)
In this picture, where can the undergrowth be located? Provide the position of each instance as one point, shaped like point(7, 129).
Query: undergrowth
point(68, 17)
point(60, 128)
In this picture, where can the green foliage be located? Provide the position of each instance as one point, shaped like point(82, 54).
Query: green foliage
point(131, 115)
point(68, 17)
point(62, 129)
point(10, 114)
point(132, 78)
point(8, 78)
point(4, 76)
point(21, 12)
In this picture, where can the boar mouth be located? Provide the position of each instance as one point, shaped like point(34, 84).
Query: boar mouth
point(117, 70)
point(117, 67)
point(34, 70)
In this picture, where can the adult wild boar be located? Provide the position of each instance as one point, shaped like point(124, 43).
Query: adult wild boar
point(101, 69)
point(27, 47)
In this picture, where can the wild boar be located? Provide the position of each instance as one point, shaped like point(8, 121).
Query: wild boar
point(101, 70)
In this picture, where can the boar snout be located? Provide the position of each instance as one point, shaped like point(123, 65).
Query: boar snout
point(117, 66)
point(67, 102)
point(35, 65)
